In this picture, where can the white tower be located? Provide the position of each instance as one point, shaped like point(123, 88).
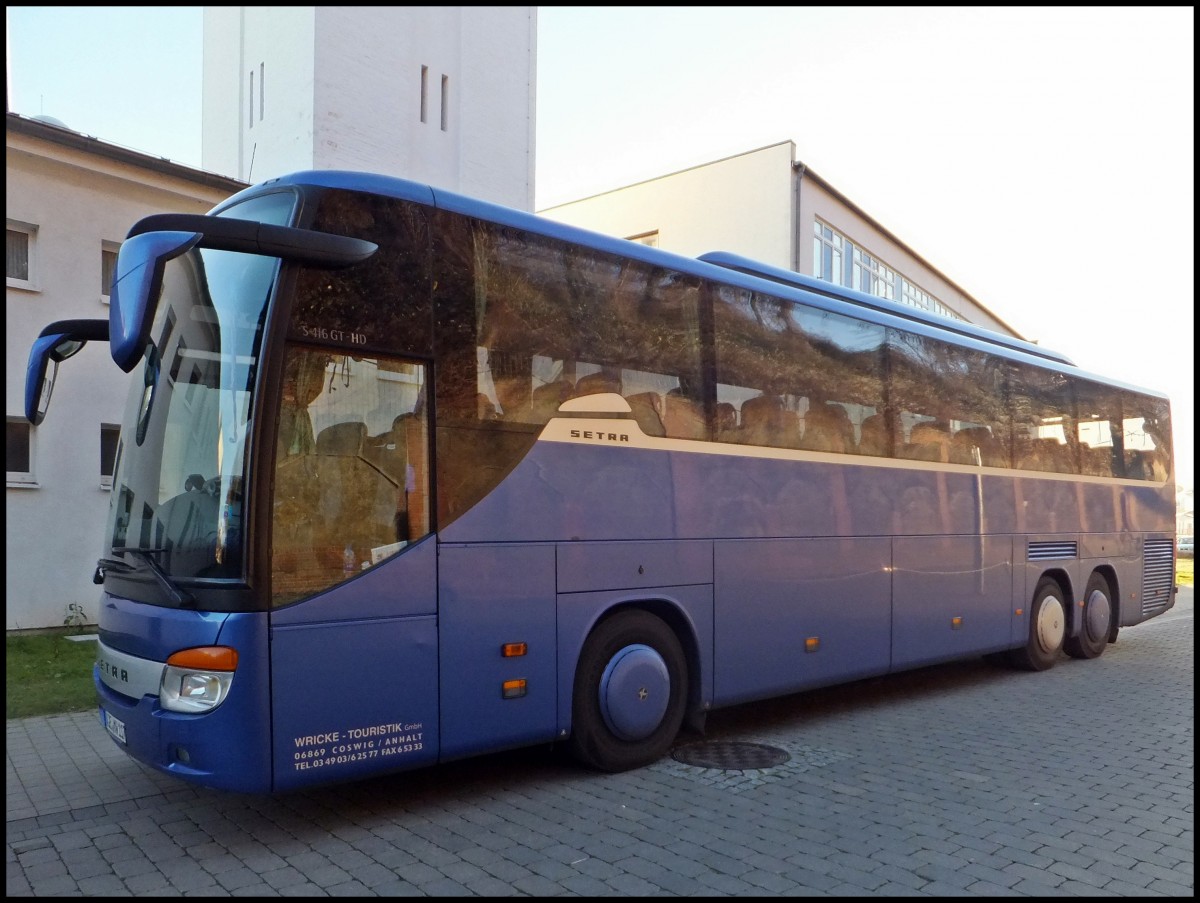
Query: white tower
point(441, 95)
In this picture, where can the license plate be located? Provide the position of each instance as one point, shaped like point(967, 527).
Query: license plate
point(114, 726)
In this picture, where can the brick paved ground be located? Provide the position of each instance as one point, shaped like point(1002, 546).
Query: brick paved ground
point(956, 780)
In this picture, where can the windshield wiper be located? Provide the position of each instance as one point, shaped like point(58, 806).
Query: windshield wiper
point(182, 598)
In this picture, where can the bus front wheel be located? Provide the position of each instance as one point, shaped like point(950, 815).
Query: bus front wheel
point(1047, 628)
point(1097, 620)
point(630, 693)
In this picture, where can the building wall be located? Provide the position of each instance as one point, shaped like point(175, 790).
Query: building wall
point(742, 204)
point(341, 88)
point(761, 204)
point(77, 200)
point(271, 133)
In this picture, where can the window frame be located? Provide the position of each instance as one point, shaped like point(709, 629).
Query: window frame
point(18, 479)
point(108, 247)
point(106, 479)
point(31, 232)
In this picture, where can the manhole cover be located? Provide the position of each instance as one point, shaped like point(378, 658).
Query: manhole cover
point(730, 755)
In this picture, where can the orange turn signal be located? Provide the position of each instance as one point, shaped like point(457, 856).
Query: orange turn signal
point(205, 658)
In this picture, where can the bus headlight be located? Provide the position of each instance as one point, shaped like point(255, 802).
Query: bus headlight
point(197, 680)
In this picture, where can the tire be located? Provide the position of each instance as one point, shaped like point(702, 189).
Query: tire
point(1047, 628)
point(630, 693)
point(1097, 620)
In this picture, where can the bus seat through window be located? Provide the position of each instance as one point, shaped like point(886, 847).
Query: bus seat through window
point(929, 441)
point(547, 398)
point(596, 384)
point(824, 430)
point(762, 418)
point(342, 438)
point(971, 438)
point(873, 436)
point(647, 407)
point(683, 417)
point(727, 422)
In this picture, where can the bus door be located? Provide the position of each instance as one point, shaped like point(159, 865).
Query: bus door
point(354, 677)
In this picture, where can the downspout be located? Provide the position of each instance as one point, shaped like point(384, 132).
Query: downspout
point(799, 169)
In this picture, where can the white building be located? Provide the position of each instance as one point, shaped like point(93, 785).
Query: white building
point(766, 205)
point(440, 95)
point(69, 201)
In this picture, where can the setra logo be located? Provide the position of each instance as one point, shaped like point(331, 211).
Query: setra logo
point(112, 671)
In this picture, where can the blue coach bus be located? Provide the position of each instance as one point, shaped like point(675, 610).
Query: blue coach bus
point(406, 477)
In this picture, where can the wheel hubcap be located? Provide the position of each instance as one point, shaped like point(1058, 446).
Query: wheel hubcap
point(1097, 615)
point(1051, 624)
point(634, 691)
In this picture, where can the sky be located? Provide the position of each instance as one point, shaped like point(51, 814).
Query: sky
point(1041, 158)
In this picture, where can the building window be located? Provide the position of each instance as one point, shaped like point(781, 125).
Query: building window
point(19, 452)
point(871, 275)
point(108, 268)
point(20, 255)
point(827, 254)
point(646, 238)
point(445, 102)
point(915, 297)
point(110, 435)
point(424, 93)
point(262, 90)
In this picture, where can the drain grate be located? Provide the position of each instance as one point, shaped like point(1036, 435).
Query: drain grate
point(730, 755)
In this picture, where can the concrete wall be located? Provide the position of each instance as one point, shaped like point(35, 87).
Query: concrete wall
point(741, 204)
point(54, 527)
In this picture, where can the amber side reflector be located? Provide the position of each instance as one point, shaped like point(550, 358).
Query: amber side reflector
point(511, 650)
point(512, 689)
point(1020, 611)
point(812, 644)
point(955, 623)
point(206, 658)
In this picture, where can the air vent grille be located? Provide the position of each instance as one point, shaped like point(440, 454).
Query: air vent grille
point(1053, 551)
point(1158, 575)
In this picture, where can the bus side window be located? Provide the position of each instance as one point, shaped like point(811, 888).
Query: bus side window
point(352, 500)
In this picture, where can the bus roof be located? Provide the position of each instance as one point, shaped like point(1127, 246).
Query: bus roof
point(718, 266)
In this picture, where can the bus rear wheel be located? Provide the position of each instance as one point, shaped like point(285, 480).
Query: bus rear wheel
point(1097, 620)
point(630, 693)
point(1047, 628)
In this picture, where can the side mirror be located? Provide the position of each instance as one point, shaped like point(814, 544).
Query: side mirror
point(135, 288)
point(56, 343)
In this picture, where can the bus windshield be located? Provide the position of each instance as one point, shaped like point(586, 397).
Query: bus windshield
point(177, 495)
